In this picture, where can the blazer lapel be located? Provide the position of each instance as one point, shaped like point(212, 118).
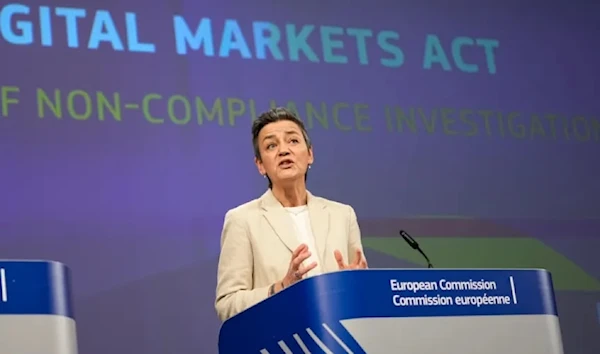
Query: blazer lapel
point(281, 223)
point(279, 220)
point(319, 219)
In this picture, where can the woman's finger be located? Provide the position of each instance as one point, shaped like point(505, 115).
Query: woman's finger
point(339, 259)
point(302, 271)
point(358, 258)
point(297, 261)
point(298, 250)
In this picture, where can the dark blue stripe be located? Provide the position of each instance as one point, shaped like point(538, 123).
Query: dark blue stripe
point(337, 296)
point(36, 288)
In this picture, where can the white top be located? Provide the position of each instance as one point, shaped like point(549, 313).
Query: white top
point(301, 221)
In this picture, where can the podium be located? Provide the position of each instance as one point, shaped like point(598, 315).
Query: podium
point(36, 314)
point(383, 311)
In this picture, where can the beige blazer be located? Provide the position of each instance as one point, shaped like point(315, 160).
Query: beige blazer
point(257, 242)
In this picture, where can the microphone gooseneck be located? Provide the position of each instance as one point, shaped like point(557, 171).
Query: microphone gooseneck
point(415, 245)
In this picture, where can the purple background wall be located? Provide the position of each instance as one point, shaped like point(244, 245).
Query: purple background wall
point(136, 208)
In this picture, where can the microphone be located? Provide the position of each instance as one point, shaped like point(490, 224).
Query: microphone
point(412, 243)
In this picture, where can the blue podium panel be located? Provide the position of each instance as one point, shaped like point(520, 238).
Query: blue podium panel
point(35, 308)
point(386, 311)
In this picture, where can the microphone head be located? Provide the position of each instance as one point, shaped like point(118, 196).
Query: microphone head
point(411, 241)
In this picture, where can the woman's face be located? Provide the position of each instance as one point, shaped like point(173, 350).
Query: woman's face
point(284, 154)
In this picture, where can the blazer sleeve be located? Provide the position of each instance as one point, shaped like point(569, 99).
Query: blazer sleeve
point(354, 237)
point(235, 292)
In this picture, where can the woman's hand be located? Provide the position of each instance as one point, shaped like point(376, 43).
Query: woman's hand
point(296, 271)
point(360, 262)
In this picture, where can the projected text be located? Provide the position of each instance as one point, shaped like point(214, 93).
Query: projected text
point(360, 117)
point(258, 40)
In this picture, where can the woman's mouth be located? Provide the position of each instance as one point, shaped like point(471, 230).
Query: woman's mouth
point(286, 163)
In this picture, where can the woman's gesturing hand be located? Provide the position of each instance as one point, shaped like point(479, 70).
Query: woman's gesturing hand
point(360, 262)
point(296, 271)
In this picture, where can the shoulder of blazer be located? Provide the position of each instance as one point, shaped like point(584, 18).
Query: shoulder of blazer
point(243, 211)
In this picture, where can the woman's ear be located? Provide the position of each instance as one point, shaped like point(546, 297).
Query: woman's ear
point(259, 166)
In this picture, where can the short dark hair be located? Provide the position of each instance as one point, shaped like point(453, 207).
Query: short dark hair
point(271, 116)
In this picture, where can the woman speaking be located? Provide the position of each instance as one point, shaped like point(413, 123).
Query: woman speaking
point(287, 234)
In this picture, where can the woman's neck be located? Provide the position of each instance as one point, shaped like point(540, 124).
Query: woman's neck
point(291, 196)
